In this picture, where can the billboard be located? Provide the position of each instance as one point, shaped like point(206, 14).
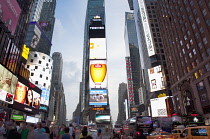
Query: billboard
point(146, 26)
point(103, 119)
point(9, 14)
point(7, 85)
point(158, 107)
point(97, 31)
point(97, 48)
point(157, 78)
point(27, 96)
point(25, 52)
point(30, 119)
point(45, 96)
point(98, 97)
point(98, 74)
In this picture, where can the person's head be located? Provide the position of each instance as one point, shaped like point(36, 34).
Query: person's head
point(17, 123)
point(70, 124)
point(11, 122)
point(66, 130)
point(23, 124)
point(31, 126)
point(99, 130)
point(20, 93)
point(43, 123)
point(39, 125)
point(29, 97)
point(85, 128)
point(88, 137)
point(63, 126)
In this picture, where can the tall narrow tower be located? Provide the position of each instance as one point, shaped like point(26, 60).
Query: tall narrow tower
point(94, 77)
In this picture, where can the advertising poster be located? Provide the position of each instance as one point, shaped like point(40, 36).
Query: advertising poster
point(7, 85)
point(9, 13)
point(20, 94)
point(98, 74)
point(158, 106)
point(35, 37)
point(45, 96)
point(157, 79)
point(26, 96)
point(98, 97)
point(97, 48)
point(102, 119)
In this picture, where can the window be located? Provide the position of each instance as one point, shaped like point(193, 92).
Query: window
point(208, 22)
point(36, 67)
point(183, 51)
point(32, 60)
point(196, 75)
point(36, 82)
point(198, 20)
point(200, 45)
point(205, 40)
point(40, 76)
point(188, 46)
point(203, 56)
point(40, 62)
point(35, 55)
point(190, 17)
point(46, 78)
point(193, 64)
point(188, 32)
point(201, 30)
point(193, 26)
point(185, 37)
point(195, 12)
point(194, 51)
point(196, 35)
point(32, 74)
point(43, 57)
point(201, 2)
point(190, 55)
point(191, 41)
point(28, 66)
point(204, 12)
point(208, 51)
point(207, 67)
point(199, 132)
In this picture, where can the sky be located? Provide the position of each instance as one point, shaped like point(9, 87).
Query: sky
point(68, 38)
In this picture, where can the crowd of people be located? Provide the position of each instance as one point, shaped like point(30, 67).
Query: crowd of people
point(21, 130)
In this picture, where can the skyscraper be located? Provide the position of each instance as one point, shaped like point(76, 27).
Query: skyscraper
point(185, 31)
point(122, 95)
point(94, 8)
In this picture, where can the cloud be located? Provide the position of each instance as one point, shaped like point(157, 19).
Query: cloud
point(59, 31)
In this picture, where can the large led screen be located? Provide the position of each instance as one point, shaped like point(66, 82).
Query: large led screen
point(26, 96)
point(98, 74)
point(158, 106)
point(7, 85)
point(97, 48)
point(103, 119)
point(45, 96)
point(98, 97)
point(30, 119)
point(9, 13)
point(157, 79)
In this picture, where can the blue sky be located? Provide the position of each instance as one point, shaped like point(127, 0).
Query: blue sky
point(68, 39)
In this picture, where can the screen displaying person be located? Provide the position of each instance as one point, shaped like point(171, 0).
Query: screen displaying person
point(29, 97)
point(20, 93)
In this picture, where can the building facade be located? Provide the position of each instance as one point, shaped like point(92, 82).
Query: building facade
point(185, 28)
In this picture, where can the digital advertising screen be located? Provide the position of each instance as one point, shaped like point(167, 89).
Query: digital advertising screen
point(30, 119)
point(103, 119)
point(98, 97)
point(157, 79)
point(97, 48)
point(9, 14)
point(45, 96)
point(158, 106)
point(7, 85)
point(142, 120)
point(98, 74)
point(20, 93)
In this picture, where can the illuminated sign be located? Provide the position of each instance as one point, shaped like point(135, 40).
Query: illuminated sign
point(103, 119)
point(147, 31)
point(97, 48)
point(7, 85)
point(97, 28)
point(158, 106)
point(25, 52)
point(157, 79)
point(9, 14)
point(45, 96)
point(43, 108)
point(18, 117)
point(98, 74)
point(141, 96)
point(98, 97)
point(129, 80)
point(95, 109)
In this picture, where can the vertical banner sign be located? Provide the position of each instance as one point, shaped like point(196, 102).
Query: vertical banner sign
point(147, 31)
point(130, 81)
